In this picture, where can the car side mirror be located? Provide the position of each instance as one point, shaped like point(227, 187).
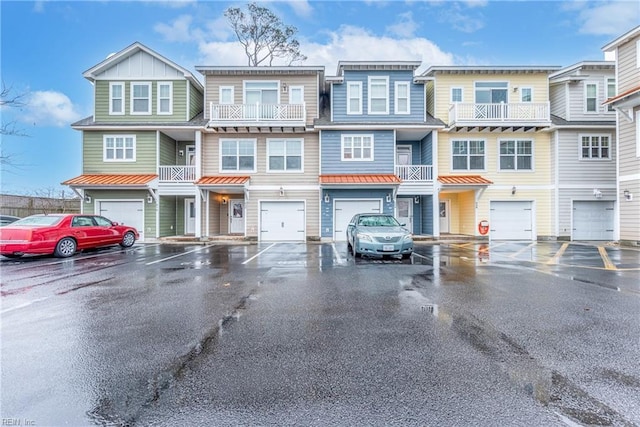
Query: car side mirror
point(114, 223)
point(403, 224)
point(352, 224)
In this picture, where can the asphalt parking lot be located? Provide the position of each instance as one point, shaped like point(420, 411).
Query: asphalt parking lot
point(499, 333)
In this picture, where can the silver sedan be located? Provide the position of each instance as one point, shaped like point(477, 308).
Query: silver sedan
point(378, 235)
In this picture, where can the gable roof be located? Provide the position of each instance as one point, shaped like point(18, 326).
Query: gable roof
point(94, 73)
point(629, 35)
point(580, 70)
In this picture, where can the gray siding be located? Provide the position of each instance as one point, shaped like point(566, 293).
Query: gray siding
point(575, 170)
point(93, 154)
point(628, 71)
point(339, 102)
point(384, 154)
point(557, 94)
point(577, 102)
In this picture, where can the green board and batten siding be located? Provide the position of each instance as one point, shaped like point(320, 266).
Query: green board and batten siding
point(179, 103)
point(93, 154)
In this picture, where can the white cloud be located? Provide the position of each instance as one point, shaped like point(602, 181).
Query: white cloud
point(177, 31)
point(462, 21)
point(405, 26)
point(301, 7)
point(609, 18)
point(49, 108)
point(38, 6)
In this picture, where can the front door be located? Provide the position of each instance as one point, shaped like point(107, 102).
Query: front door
point(444, 216)
point(189, 216)
point(191, 155)
point(236, 216)
point(404, 213)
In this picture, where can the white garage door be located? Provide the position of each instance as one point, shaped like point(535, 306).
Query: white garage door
point(511, 221)
point(124, 212)
point(593, 220)
point(345, 210)
point(282, 221)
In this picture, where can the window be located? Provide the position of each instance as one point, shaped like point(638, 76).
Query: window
point(238, 155)
point(378, 95)
point(467, 155)
point(226, 95)
point(611, 92)
point(119, 148)
point(516, 155)
point(165, 98)
point(296, 94)
point(456, 94)
point(284, 155)
point(595, 147)
point(591, 97)
point(402, 98)
point(140, 98)
point(354, 98)
point(526, 94)
point(491, 92)
point(116, 98)
point(357, 147)
point(260, 97)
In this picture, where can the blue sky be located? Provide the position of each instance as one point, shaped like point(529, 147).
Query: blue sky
point(47, 45)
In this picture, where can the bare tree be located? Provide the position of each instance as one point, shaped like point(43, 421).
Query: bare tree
point(264, 36)
point(9, 99)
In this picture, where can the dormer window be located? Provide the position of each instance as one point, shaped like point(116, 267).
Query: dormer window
point(140, 98)
point(116, 98)
point(591, 97)
point(378, 95)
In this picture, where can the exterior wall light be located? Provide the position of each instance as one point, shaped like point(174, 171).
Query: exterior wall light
point(513, 190)
point(87, 199)
point(326, 198)
point(627, 195)
point(416, 200)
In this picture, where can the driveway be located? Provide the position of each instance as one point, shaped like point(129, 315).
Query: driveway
point(520, 333)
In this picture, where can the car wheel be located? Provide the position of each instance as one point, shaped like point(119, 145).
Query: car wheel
point(354, 251)
point(128, 240)
point(65, 248)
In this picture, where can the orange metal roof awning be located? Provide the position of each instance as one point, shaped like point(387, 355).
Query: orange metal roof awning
point(360, 179)
point(618, 97)
point(463, 180)
point(222, 180)
point(100, 180)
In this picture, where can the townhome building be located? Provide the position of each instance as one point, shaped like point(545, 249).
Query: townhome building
point(626, 103)
point(140, 147)
point(583, 151)
point(494, 155)
point(377, 147)
point(260, 153)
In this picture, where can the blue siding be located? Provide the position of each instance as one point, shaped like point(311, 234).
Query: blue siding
point(383, 154)
point(326, 210)
point(427, 150)
point(339, 101)
point(426, 206)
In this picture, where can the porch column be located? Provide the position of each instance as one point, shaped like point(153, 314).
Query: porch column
point(436, 184)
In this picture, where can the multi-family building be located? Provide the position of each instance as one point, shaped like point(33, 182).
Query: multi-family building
point(377, 146)
point(583, 151)
point(626, 103)
point(494, 156)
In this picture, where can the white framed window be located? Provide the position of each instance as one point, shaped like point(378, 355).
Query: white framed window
point(468, 154)
point(491, 92)
point(116, 98)
point(354, 98)
point(402, 99)
point(611, 91)
point(140, 98)
point(238, 155)
point(456, 94)
point(119, 148)
point(165, 98)
point(285, 155)
point(296, 95)
point(226, 94)
point(378, 95)
point(591, 97)
point(596, 147)
point(516, 154)
point(526, 94)
point(357, 147)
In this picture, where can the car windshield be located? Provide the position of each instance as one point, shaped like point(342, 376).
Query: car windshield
point(39, 220)
point(378, 221)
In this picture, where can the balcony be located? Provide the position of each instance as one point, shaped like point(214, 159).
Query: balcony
point(524, 114)
point(415, 173)
point(176, 173)
point(257, 115)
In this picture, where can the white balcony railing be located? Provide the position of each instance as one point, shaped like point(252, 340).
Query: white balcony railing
point(415, 172)
point(238, 113)
point(177, 173)
point(529, 112)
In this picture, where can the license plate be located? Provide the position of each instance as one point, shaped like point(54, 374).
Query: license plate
point(387, 247)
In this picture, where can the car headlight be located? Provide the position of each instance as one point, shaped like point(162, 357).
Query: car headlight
point(364, 236)
point(408, 237)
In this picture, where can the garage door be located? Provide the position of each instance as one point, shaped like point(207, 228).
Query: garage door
point(593, 220)
point(125, 212)
point(346, 209)
point(511, 221)
point(282, 221)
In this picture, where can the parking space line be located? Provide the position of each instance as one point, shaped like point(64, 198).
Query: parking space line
point(336, 254)
point(179, 255)
point(608, 265)
point(554, 259)
point(526, 248)
point(258, 254)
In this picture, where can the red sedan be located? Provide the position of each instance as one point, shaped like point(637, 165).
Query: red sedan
point(63, 234)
